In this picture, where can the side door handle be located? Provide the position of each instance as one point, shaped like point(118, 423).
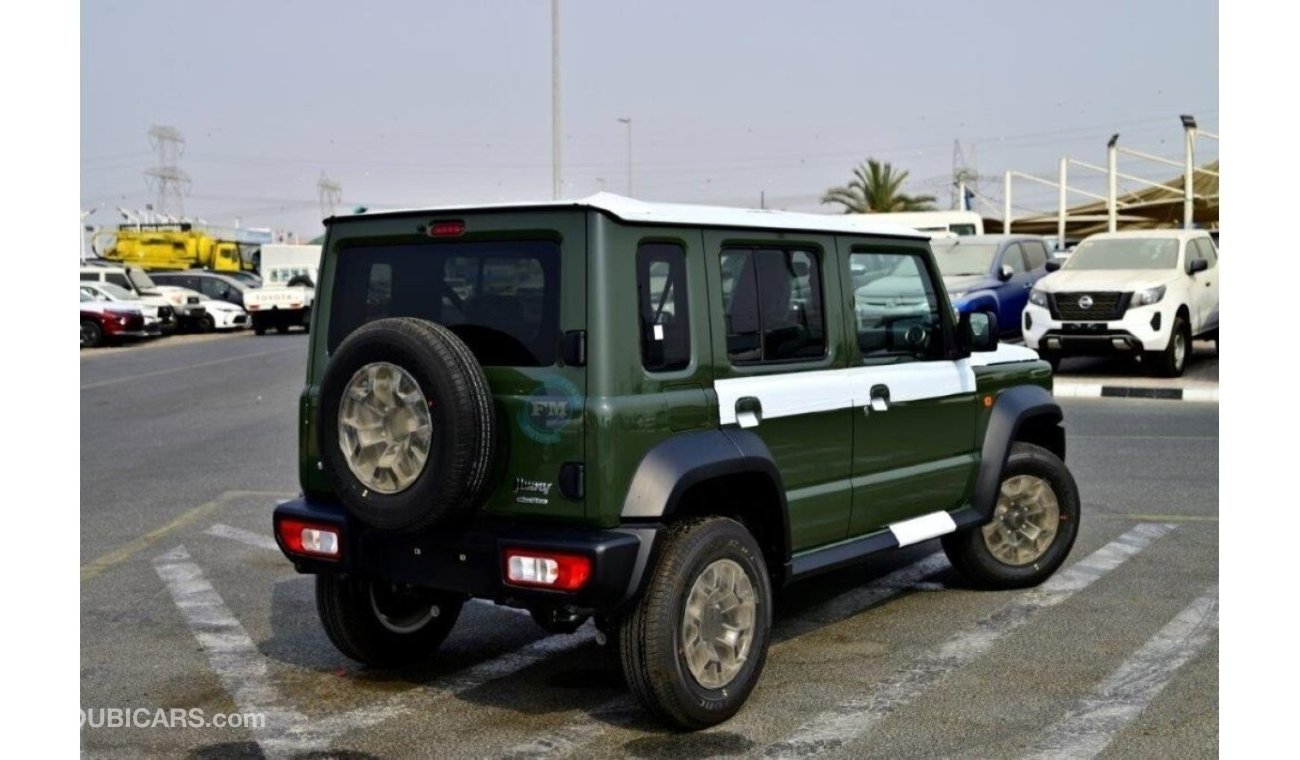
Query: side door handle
point(749, 411)
point(880, 398)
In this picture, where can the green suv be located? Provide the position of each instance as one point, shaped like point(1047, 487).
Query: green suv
point(654, 417)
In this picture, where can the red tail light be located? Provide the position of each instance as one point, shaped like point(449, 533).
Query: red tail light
point(450, 228)
point(310, 539)
point(543, 569)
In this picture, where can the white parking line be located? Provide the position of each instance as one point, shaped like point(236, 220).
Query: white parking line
point(232, 655)
point(243, 672)
point(457, 683)
point(502, 607)
point(260, 541)
point(578, 733)
point(1116, 701)
point(243, 536)
point(837, 727)
point(187, 367)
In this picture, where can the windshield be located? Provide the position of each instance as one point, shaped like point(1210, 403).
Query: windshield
point(140, 279)
point(501, 298)
point(956, 258)
point(1124, 253)
point(116, 292)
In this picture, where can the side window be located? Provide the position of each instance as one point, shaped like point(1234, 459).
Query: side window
point(1035, 254)
point(664, 311)
point(1012, 257)
point(897, 313)
point(89, 277)
point(118, 279)
point(210, 287)
point(1207, 250)
point(773, 305)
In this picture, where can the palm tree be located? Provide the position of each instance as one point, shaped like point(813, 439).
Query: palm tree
point(875, 188)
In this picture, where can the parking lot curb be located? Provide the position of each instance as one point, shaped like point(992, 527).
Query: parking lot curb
point(1096, 390)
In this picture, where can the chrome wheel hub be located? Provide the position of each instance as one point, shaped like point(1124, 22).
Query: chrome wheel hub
point(1180, 349)
point(718, 624)
point(1025, 520)
point(385, 431)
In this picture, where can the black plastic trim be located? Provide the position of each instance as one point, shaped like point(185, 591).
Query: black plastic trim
point(672, 467)
point(468, 559)
point(1013, 408)
point(839, 555)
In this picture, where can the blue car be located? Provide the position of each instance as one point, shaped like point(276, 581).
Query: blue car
point(991, 273)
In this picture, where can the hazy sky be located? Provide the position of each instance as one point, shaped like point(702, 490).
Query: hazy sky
point(417, 103)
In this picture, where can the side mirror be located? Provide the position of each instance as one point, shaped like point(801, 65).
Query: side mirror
point(1006, 272)
point(1197, 265)
point(977, 331)
point(1052, 265)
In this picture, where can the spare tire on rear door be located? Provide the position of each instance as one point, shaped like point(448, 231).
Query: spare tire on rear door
point(405, 425)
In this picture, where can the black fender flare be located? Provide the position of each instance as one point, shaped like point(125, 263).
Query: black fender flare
point(1013, 409)
point(672, 467)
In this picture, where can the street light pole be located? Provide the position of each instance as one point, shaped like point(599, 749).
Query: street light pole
point(1062, 198)
point(1112, 184)
point(557, 184)
point(628, 121)
point(1006, 204)
point(1189, 141)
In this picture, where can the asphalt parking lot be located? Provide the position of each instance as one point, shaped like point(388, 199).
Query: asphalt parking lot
point(185, 603)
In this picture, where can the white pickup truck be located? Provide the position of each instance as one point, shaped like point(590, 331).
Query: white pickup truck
point(1143, 293)
point(288, 289)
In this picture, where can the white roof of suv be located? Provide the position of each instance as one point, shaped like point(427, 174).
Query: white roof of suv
point(685, 214)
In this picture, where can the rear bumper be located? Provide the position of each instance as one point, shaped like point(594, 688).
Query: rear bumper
point(469, 559)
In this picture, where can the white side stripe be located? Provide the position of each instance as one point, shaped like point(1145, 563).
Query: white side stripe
point(1090, 728)
point(832, 730)
point(919, 529)
point(792, 393)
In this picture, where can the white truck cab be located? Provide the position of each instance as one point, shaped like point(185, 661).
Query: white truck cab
point(1142, 293)
point(289, 274)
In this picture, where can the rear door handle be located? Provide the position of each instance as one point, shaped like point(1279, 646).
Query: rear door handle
point(749, 411)
point(880, 398)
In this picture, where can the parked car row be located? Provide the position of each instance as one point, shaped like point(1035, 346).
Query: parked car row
point(126, 303)
point(1140, 294)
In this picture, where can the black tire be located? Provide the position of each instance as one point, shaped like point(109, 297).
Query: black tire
point(259, 324)
point(282, 328)
point(650, 636)
point(450, 485)
point(92, 335)
point(1165, 363)
point(1053, 360)
point(350, 609)
point(970, 554)
point(205, 324)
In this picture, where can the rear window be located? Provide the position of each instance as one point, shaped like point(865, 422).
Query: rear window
point(501, 298)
